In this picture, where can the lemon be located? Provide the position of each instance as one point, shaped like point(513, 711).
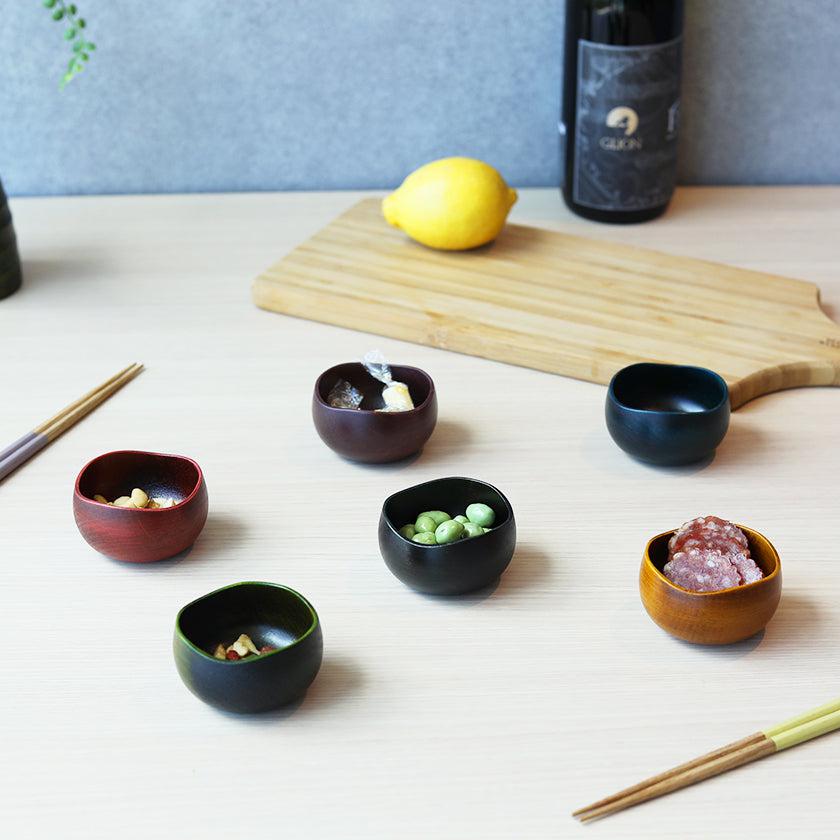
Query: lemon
point(453, 204)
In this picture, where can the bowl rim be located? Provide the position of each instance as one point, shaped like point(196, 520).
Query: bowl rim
point(316, 622)
point(387, 519)
point(357, 411)
point(82, 497)
point(742, 588)
point(714, 374)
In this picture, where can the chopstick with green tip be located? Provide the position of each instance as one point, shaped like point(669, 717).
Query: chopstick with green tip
point(797, 730)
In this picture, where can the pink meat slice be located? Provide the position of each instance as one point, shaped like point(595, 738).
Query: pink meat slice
point(709, 553)
point(707, 527)
point(702, 570)
point(747, 567)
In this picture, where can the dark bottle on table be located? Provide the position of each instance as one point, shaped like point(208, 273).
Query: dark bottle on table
point(621, 104)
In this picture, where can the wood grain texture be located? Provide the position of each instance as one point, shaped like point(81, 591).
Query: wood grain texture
point(559, 303)
point(492, 717)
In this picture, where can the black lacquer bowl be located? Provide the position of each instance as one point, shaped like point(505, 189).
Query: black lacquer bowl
point(667, 414)
point(10, 274)
point(455, 568)
point(271, 615)
point(368, 435)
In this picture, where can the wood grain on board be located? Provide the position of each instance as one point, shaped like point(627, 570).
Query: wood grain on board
point(559, 303)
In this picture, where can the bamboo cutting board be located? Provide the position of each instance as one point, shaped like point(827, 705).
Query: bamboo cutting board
point(564, 304)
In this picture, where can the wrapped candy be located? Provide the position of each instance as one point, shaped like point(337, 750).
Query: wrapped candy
point(395, 395)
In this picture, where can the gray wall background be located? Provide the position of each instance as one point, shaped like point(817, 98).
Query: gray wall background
point(205, 95)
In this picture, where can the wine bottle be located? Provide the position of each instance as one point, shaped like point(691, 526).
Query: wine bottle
point(621, 104)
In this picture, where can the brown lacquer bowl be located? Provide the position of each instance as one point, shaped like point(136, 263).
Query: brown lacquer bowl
point(140, 535)
point(711, 618)
point(368, 435)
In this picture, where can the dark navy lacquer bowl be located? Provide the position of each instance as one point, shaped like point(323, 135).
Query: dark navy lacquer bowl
point(271, 615)
point(455, 568)
point(667, 414)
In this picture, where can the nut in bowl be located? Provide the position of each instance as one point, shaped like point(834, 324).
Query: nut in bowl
point(278, 645)
point(718, 617)
point(140, 507)
point(367, 433)
point(449, 552)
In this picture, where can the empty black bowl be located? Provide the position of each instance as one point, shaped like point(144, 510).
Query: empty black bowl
point(458, 567)
point(271, 615)
point(667, 414)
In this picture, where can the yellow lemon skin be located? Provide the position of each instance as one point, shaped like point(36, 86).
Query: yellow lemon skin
point(452, 204)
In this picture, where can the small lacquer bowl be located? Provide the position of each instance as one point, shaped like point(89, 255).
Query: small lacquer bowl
point(140, 535)
point(270, 614)
point(455, 568)
point(711, 618)
point(367, 435)
point(667, 414)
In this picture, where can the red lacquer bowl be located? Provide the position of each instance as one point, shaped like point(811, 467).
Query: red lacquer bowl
point(140, 536)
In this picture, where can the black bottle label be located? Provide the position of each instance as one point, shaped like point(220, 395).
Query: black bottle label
point(628, 103)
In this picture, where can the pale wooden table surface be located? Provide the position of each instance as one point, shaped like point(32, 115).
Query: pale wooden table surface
point(488, 717)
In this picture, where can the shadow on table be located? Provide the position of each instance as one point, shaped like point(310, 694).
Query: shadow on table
point(793, 626)
point(221, 534)
point(529, 568)
point(448, 437)
point(37, 272)
point(337, 681)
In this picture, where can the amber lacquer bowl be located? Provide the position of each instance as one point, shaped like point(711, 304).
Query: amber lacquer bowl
point(711, 618)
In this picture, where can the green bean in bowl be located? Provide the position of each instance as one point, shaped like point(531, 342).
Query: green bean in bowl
point(436, 527)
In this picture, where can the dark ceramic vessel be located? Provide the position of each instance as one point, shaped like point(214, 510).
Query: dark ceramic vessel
point(140, 536)
point(711, 618)
point(456, 568)
point(271, 615)
point(367, 435)
point(10, 273)
point(667, 414)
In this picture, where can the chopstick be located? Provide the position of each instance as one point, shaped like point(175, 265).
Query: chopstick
point(789, 733)
point(25, 447)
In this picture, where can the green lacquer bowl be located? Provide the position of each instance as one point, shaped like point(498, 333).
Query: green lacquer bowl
point(271, 615)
